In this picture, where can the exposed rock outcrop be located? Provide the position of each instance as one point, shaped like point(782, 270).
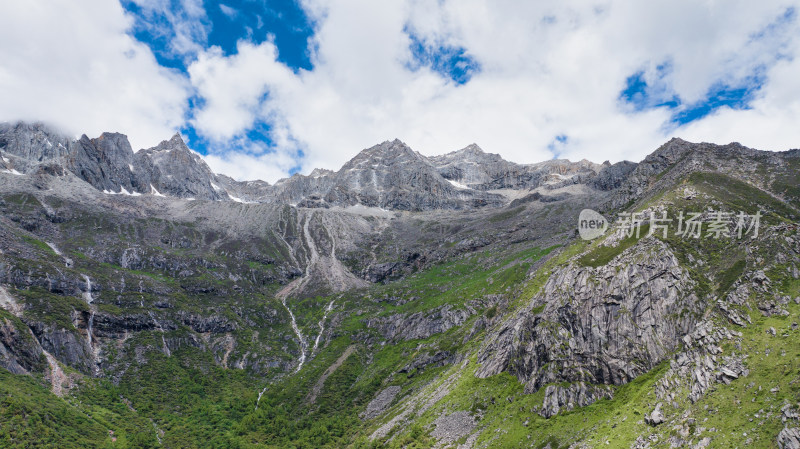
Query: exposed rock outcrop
point(380, 403)
point(655, 417)
point(450, 428)
point(425, 360)
point(171, 168)
point(472, 168)
point(558, 398)
point(393, 176)
point(67, 346)
point(389, 175)
point(20, 353)
point(601, 325)
point(700, 365)
point(789, 438)
point(419, 325)
point(109, 163)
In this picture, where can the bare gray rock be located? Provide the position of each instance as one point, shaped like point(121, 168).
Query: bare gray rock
point(789, 413)
point(109, 164)
point(68, 347)
point(33, 142)
point(613, 176)
point(393, 176)
point(171, 168)
point(419, 325)
point(603, 325)
point(450, 428)
point(703, 443)
point(699, 366)
point(380, 403)
point(20, 353)
point(105, 162)
point(558, 398)
point(426, 360)
point(655, 417)
point(473, 168)
point(789, 438)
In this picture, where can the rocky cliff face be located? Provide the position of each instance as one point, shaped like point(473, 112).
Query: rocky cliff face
point(389, 175)
point(109, 164)
point(604, 325)
point(170, 168)
point(393, 176)
point(678, 158)
point(20, 352)
point(478, 170)
point(33, 142)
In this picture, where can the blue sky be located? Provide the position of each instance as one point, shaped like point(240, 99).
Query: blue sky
point(266, 88)
point(224, 24)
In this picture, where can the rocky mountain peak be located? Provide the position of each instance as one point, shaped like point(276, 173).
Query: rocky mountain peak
point(389, 175)
point(384, 154)
point(471, 152)
point(670, 152)
point(173, 168)
point(318, 172)
point(473, 148)
point(32, 142)
point(175, 146)
point(105, 162)
point(474, 153)
point(113, 145)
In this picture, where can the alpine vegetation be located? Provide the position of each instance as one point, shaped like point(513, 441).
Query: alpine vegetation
point(402, 301)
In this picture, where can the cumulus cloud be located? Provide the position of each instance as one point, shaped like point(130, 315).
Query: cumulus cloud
point(233, 88)
point(79, 70)
point(770, 123)
point(544, 79)
point(547, 69)
point(272, 165)
point(182, 25)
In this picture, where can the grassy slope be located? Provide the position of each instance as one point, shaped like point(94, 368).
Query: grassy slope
point(199, 405)
point(32, 416)
point(737, 415)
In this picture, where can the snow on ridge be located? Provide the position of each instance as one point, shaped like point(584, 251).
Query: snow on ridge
point(122, 191)
point(239, 200)
point(54, 248)
point(155, 192)
point(458, 185)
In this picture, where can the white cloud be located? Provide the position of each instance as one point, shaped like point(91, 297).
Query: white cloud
point(770, 123)
point(244, 166)
point(233, 86)
point(77, 69)
point(548, 68)
point(230, 12)
point(183, 25)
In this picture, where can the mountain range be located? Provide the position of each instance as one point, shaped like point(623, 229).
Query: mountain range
point(401, 301)
point(389, 175)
